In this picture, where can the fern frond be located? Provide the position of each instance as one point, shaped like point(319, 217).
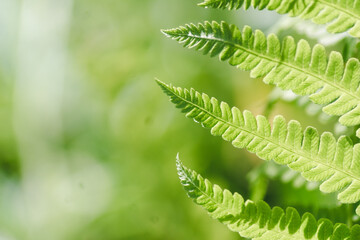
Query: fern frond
point(290, 66)
point(335, 163)
point(256, 220)
point(342, 15)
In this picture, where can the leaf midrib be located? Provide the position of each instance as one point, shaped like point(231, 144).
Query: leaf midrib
point(336, 7)
point(279, 62)
point(341, 9)
point(302, 154)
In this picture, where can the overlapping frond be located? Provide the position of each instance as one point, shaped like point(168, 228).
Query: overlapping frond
point(290, 65)
point(273, 171)
point(286, 24)
point(310, 108)
point(320, 158)
point(340, 15)
point(256, 220)
point(303, 102)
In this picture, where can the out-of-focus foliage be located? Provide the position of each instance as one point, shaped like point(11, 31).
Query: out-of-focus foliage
point(87, 140)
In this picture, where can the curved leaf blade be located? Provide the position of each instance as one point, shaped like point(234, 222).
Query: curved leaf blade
point(320, 158)
point(340, 15)
point(256, 220)
point(290, 65)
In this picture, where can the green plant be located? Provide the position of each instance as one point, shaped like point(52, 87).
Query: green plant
point(329, 81)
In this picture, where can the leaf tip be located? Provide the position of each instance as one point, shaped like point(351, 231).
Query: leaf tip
point(202, 4)
point(181, 169)
point(166, 32)
point(179, 164)
point(163, 85)
point(158, 81)
point(358, 135)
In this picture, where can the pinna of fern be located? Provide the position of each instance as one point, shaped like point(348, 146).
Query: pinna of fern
point(320, 158)
point(256, 220)
point(291, 66)
point(340, 15)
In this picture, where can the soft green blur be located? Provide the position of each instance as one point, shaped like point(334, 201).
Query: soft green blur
point(88, 140)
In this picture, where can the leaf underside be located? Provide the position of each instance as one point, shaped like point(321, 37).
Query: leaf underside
point(340, 15)
point(256, 220)
point(319, 158)
point(327, 81)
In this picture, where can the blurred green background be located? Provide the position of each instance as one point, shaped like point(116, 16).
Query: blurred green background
point(88, 140)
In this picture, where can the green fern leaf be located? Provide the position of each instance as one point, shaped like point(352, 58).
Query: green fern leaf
point(256, 220)
point(342, 15)
point(290, 66)
point(335, 163)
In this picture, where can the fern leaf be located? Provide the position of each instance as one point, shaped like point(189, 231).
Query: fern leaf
point(290, 66)
point(319, 158)
point(256, 220)
point(342, 15)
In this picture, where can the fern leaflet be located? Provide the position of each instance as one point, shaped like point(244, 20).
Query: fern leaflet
point(290, 66)
point(256, 220)
point(342, 15)
point(335, 163)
